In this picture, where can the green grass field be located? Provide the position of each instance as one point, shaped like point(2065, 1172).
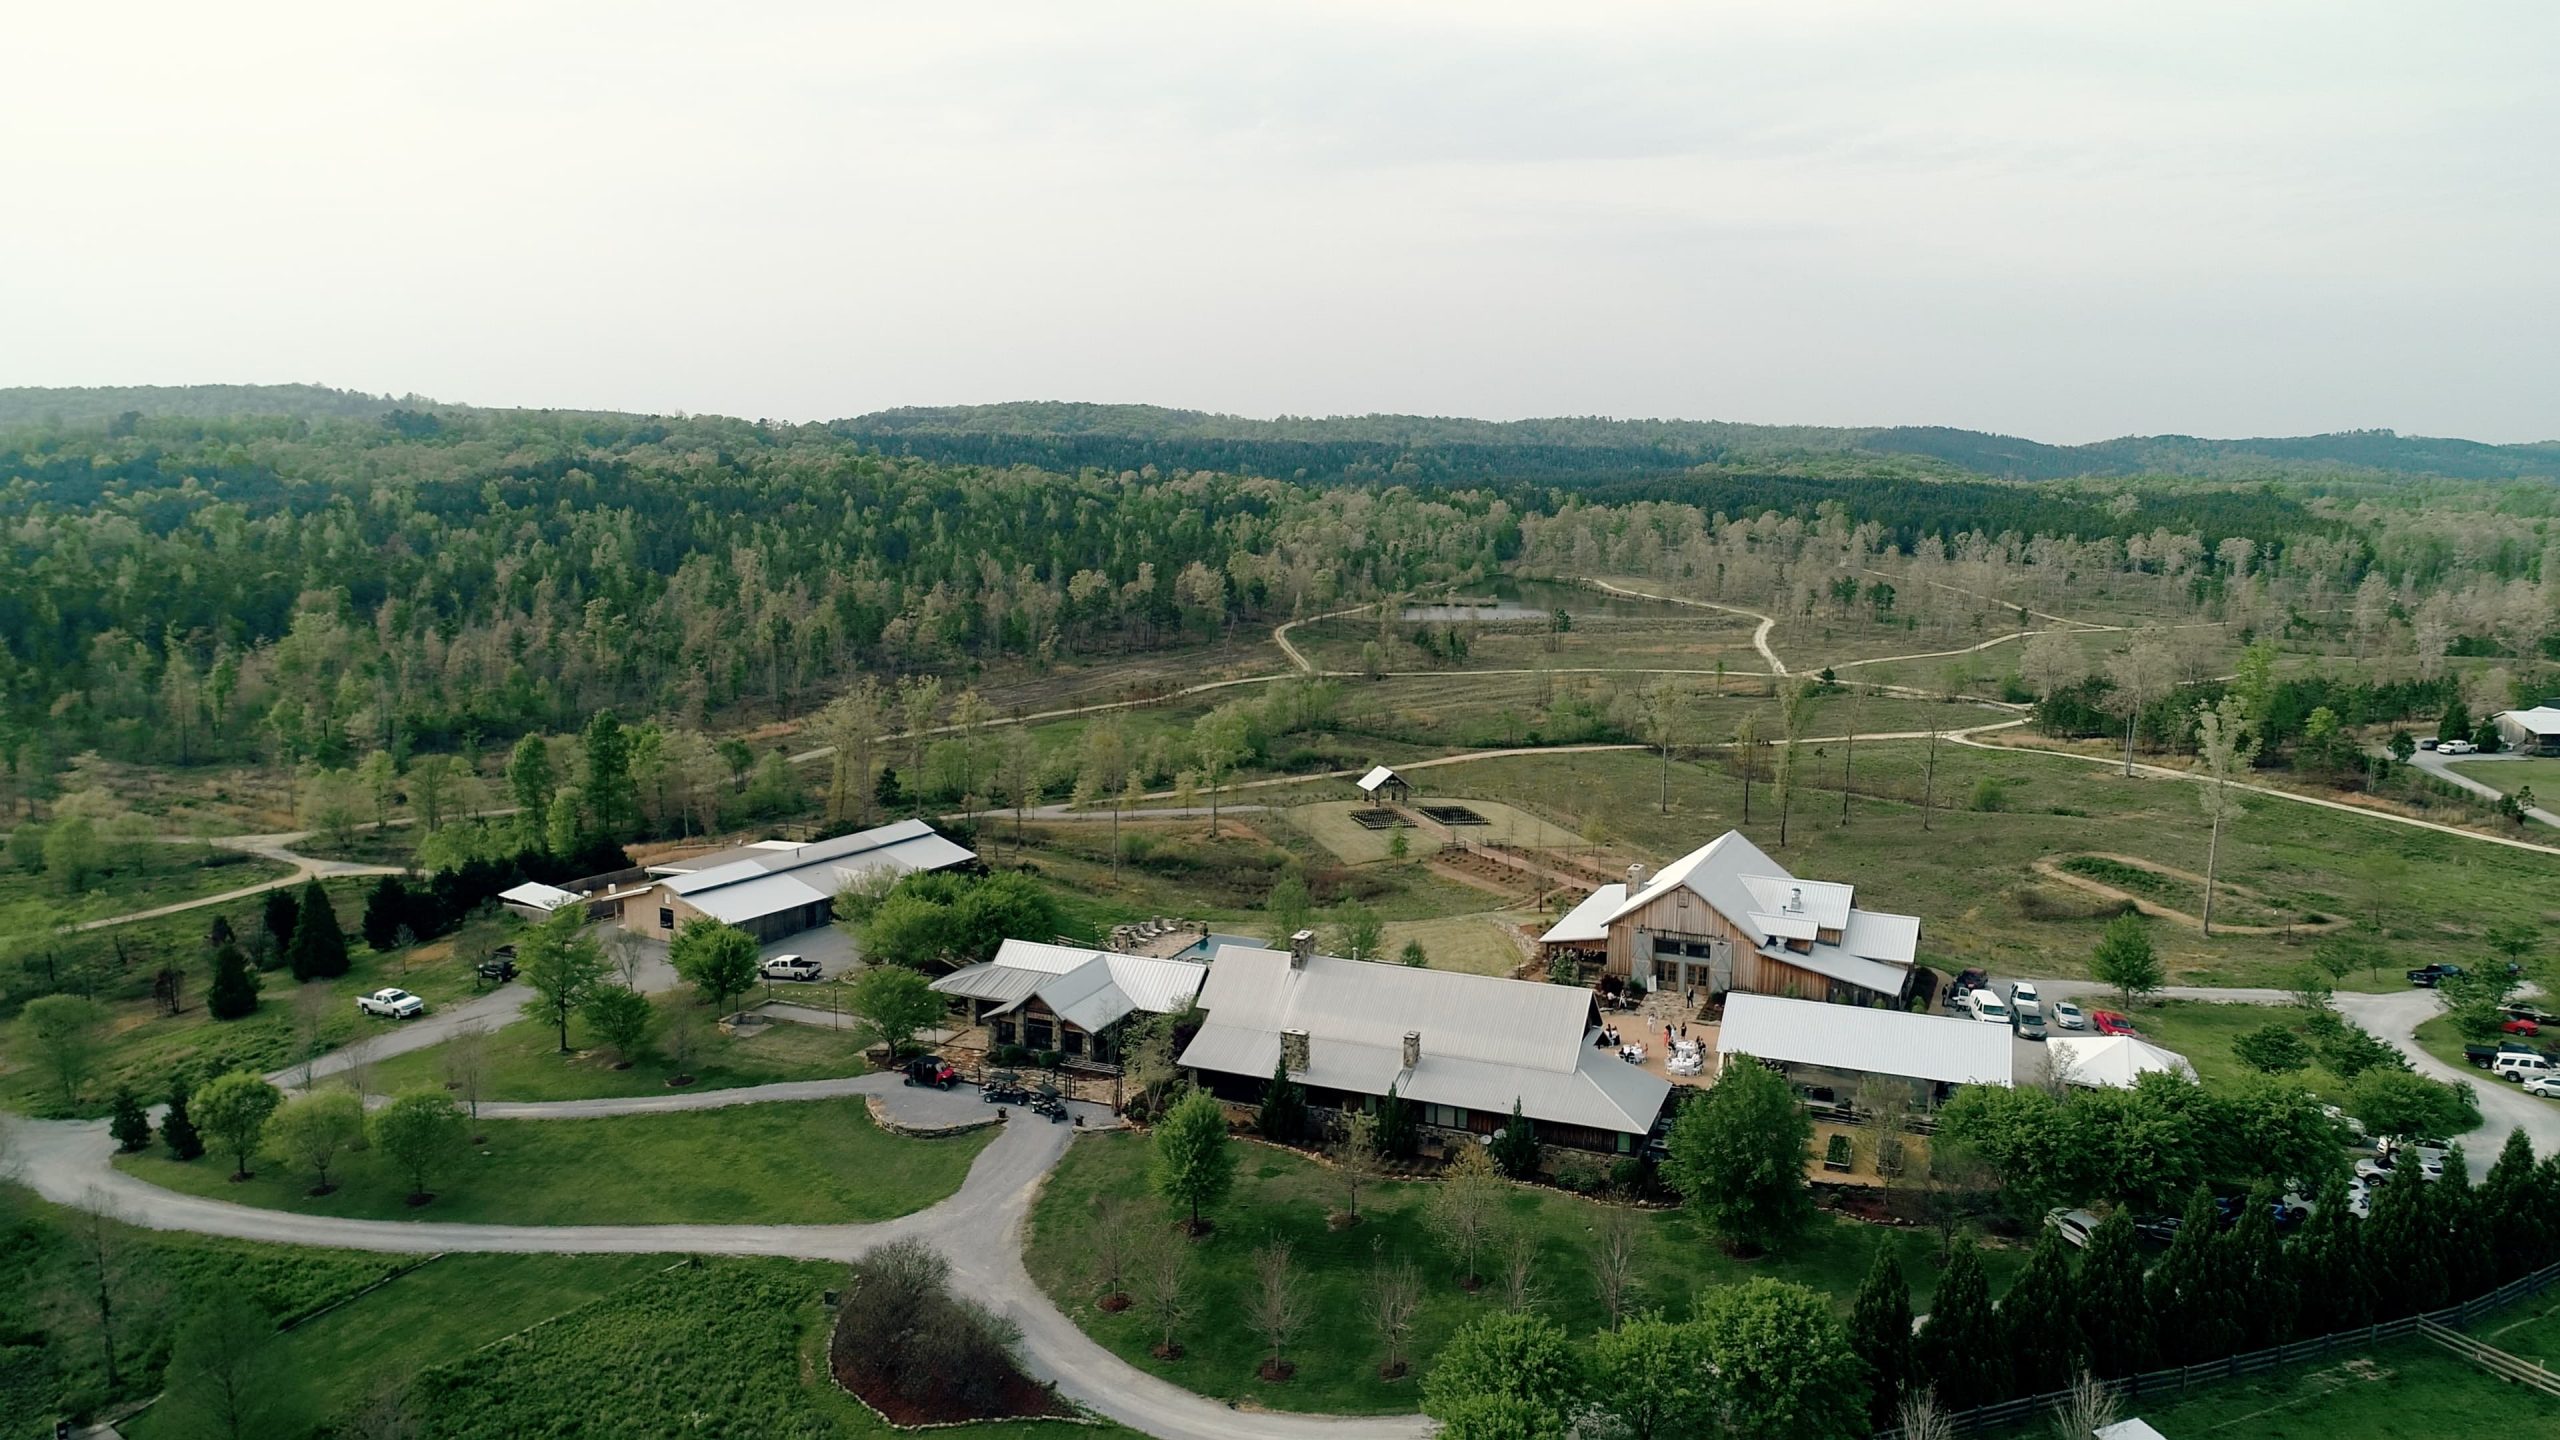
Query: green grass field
point(2407, 1390)
point(2540, 774)
point(1280, 1194)
point(144, 1048)
point(815, 1163)
point(34, 904)
point(2204, 1032)
point(524, 1062)
point(1969, 876)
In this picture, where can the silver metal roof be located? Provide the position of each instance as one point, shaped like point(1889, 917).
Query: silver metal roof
point(1090, 989)
point(1856, 1038)
point(1486, 1042)
point(760, 879)
point(1378, 775)
point(1588, 922)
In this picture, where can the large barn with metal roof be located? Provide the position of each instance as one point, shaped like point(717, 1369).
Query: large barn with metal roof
point(776, 888)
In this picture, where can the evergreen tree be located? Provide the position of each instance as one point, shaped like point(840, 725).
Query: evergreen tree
point(130, 1126)
point(1880, 1330)
point(2462, 1231)
point(1284, 1107)
point(2036, 1317)
point(2190, 1308)
point(277, 918)
point(1962, 1340)
point(2508, 1212)
point(386, 909)
point(1515, 1151)
point(2545, 1209)
point(2114, 1313)
point(177, 1130)
point(2329, 1272)
point(319, 948)
point(2400, 1242)
point(234, 991)
point(1396, 1134)
point(2256, 1279)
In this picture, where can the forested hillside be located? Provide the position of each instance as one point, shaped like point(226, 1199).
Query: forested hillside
point(1363, 447)
point(82, 404)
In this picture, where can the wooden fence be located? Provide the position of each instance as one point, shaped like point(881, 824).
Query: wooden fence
point(2441, 1326)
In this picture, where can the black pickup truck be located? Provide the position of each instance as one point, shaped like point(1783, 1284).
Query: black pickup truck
point(2427, 977)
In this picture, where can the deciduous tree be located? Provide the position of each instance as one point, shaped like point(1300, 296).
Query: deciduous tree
point(1738, 1155)
point(1194, 1164)
point(894, 1003)
point(313, 1129)
point(420, 1133)
point(2125, 959)
point(234, 1110)
point(564, 964)
point(63, 1032)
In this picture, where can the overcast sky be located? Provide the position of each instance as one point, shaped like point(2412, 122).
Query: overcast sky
point(2069, 221)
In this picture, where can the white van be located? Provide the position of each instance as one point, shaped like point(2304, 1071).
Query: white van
point(2512, 1066)
point(1986, 1005)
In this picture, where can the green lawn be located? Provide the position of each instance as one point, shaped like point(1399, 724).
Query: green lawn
point(155, 1272)
point(150, 876)
point(144, 1048)
point(1280, 1194)
point(524, 1062)
point(1969, 876)
point(2407, 1390)
point(434, 1314)
point(2534, 772)
point(2204, 1031)
point(818, 1162)
point(2438, 1038)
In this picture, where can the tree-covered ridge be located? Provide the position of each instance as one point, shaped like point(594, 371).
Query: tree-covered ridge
point(1558, 446)
point(199, 588)
point(80, 404)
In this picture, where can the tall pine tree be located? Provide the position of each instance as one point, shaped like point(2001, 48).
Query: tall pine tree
point(1284, 1107)
point(2037, 1319)
point(2332, 1279)
point(2507, 1209)
point(1880, 1331)
point(277, 918)
point(2114, 1313)
point(386, 910)
point(177, 1131)
point(2400, 1240)
point(1515, 1151)
point(2462, 1231)
point(234, 990)
point(319, 948)
point(2256, 1279)
point(2190, 1305)
point(130, 1126)
point(1962, 1337)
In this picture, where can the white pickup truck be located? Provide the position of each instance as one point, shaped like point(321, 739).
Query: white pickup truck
point(398, 1004)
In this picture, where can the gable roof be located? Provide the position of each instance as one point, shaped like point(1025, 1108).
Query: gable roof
point(2114, 1061)
point(535, 895)
point(1486, 1042)
point(1757, 895)
point(1378, 775)
point(1090, 989)
point(1853, 1037)
point(1588, 922)
point(771, 875)
point(2541, 719)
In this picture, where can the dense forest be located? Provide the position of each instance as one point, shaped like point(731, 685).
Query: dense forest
point(304, 588)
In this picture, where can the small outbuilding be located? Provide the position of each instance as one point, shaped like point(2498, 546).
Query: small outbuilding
point(1385, 787)
point(535, 901)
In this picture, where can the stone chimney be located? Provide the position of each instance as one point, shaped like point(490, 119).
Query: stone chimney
point(1302, 948)
point(1293, 1051)
point(1412, 1048)
point(1635, 878)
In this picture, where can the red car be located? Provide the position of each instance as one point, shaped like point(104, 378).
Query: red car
point(2521, 1026)
point(2108, 1022)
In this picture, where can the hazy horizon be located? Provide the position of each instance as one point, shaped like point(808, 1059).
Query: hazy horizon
point(2063, 225)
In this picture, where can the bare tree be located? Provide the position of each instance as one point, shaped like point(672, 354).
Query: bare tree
point(1355, 1159)
point(1395, 1303)
point(1519, 1269)
point(1663, 710)
point(627, 952)
point(1793, 698)
point(1923, 1418)
point(681, 1037)
point(1746, 757)
point(1278, 1304)
point(1164, 1290)
point(2051, 661)
point(1613, 1263)
point(2089, 1406)
point(2142, 673)
point(2220, 741)
point(1892, 1104)
point(1115, 1246)
point(387, 1414)
point(312, 1007)
point(103, 1282)
point(466, 1065)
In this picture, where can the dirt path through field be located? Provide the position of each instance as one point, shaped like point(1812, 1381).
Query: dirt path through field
point(2053, 870)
